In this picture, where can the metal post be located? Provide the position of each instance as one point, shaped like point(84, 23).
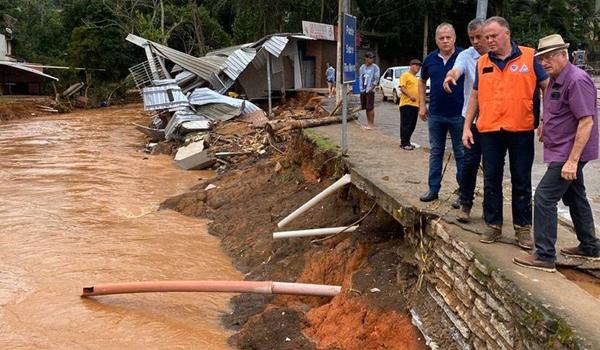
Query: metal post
point(425, 34)
point(269, 84)
point(344, 119)
point(338, 67)
point(151, 62)
point(482, 6)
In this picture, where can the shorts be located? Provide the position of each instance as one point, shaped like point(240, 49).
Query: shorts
point(331, 81)
point(367, 100)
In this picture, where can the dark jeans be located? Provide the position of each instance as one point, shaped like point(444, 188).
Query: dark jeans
point(470, 168)
point(408, 122)
point(494, 146)
point(439, 127)
point(551, 189)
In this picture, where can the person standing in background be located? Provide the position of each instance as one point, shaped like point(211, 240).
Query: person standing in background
point(330, 77)
point(369, 80)
point(409, 104)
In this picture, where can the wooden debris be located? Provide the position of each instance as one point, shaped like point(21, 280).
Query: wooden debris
point(276, 125)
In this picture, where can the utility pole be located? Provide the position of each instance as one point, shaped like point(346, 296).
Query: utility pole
point(425, 34)
point(342, 7)
point(482, 6)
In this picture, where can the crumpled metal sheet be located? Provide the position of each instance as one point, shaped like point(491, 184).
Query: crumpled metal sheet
point(168, 96)
point(275, 45)
point(179, 118)
point(219, 111)
point(238, 61)
point(205, 96)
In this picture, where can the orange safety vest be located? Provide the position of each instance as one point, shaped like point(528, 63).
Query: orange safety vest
point(506, 96)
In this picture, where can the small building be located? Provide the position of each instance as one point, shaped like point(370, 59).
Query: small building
point(18, 78)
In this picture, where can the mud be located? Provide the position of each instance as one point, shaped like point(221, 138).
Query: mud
point(373, 264)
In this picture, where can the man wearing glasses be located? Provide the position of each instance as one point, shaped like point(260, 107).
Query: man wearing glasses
point(570, 137)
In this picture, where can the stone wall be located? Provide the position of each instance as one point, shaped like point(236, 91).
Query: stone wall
point(487, 310)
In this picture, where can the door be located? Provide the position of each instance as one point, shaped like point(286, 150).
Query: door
point(387, 83)
point(308, 68)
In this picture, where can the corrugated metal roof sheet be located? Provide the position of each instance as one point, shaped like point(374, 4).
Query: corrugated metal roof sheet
point(179, 118)
point(275, 45)
point(200, 66)
point(204, 96)
point(164, 97)
point(238, 61)
point(23, 67)
point(219, 111)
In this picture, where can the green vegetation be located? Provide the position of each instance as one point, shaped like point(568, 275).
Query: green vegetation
point(91, 33)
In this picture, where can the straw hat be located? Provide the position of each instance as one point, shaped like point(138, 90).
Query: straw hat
point(551, 43)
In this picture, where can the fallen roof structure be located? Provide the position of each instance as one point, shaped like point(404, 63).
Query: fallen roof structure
point(220, 69)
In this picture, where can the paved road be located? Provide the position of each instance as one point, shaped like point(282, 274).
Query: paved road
point(387, 122)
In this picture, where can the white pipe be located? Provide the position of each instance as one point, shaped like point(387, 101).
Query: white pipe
point(313, 232)
point(343, 181)
point(305, 289)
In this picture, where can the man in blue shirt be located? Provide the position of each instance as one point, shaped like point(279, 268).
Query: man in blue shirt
point(369, 79)
point(445, 109)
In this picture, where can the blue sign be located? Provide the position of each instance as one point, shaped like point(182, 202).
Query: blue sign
point(349, 48)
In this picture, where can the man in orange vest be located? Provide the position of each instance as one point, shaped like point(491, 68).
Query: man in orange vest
point(505, 83)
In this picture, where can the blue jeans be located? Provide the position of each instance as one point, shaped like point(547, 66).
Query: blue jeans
point(470, 168)
point(494, 146)
point(551, 189)
point(439, 126)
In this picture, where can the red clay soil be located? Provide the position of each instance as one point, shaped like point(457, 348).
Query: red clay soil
point(245, 208)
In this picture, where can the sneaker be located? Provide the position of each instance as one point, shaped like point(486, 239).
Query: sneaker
point(575, 252)
point(407, 147)
point(523, 236)
point(491, 234)
point(429, 196)
point(464, 215)
point(530, 261)
point(456, 203)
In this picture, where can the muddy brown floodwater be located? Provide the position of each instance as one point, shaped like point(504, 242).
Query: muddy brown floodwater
point(78, 206)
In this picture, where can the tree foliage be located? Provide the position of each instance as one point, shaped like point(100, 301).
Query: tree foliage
point(91, 33)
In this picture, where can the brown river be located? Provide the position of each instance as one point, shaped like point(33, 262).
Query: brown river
point(78, 206)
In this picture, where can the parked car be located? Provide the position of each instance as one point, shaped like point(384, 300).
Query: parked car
point(390, 81)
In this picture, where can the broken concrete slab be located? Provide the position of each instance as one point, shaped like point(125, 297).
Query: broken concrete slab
point(193, 157)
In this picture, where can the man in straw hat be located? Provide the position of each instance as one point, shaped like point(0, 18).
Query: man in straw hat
point(570, 137)
point(505, 83)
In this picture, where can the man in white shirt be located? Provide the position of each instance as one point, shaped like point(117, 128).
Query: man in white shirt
point(466, 63)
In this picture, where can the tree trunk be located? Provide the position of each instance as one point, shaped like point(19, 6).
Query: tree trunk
point(276, 125)
point(425, 34)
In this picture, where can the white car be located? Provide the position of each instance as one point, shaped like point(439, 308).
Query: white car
point(390, 81)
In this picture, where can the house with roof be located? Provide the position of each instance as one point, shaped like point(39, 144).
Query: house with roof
point(17, 77)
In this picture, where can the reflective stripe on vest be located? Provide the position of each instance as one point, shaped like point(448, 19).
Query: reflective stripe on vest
point(506, 97)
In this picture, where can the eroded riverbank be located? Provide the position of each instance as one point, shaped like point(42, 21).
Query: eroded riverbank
point(78, 206)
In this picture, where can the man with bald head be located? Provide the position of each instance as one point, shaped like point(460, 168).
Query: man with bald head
point(445, 109)
point(506, 80)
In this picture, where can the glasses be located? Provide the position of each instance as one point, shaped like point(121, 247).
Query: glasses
point(547, 56)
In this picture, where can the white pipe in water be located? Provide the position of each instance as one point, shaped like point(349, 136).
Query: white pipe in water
point(314, 232)
point(343, 181)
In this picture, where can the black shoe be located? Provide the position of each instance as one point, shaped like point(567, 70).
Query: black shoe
point(456, 203)
point(429, 196)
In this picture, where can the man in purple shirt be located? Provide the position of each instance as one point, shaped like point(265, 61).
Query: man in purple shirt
point(570, 137)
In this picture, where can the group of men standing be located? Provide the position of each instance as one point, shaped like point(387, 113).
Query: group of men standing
point(487, 98)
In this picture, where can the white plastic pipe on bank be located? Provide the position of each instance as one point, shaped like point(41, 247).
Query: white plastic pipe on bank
point(343, 181)
point(314, 232)
point(258, 287)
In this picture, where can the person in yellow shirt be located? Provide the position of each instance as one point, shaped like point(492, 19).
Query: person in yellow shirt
point(409, 104)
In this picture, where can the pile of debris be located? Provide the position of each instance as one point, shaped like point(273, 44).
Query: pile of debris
point(218, 131)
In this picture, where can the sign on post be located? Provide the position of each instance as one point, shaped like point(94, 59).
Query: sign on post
point(349, 48)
